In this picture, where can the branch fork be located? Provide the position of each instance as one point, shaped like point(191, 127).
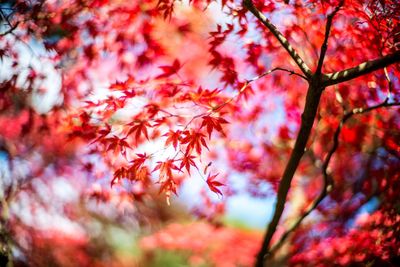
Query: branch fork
point(317, 81)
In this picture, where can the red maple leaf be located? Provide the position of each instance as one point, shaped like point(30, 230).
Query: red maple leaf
point(166, 180)
point(213, 184)
point(116, 144)
point(187, 161)
point(119, 174)
point(165, 168)
point(169, 70)
point(173, 138)
point(195, 140)
point(213, 123)
point(138, 128)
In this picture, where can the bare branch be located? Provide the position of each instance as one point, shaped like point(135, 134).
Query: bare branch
point(284, 42)
point(328, 181)
point(313, 206)
point(324, 46)
point(275, 69)
point(362, 69)
point(10, 30)
point(6, 19)
point(307, 120)
point(247, 82)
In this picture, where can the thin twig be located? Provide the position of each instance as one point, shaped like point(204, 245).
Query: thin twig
point(324, 46)
point(10, 30)
point(282, 39)
point(247, 82)
point(6, 19)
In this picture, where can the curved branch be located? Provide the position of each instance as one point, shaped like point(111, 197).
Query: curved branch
point(282, 40)
point(363, 68)
point(328, 181)
point(5, 18)
point(247, 82)
point(10, 30)
point(324, 46)
point(291, 72)
point(307, 121)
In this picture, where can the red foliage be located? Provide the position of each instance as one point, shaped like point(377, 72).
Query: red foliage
point(195, 238)
point(139, 94)
point(373, 240)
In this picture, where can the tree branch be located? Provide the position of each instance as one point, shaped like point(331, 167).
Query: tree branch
point(324, 46)
point(317, 84)
point(12, 27)
point(243, 88)
point(307, 121)
point(10, 30)
point(275, 69)
point(328, 181)
point(282, 40)
point(362, 69)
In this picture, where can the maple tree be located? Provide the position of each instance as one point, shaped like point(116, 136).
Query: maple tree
point(162, 92)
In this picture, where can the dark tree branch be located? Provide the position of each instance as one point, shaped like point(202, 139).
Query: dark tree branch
point(10, 30)
point(324, 46)
point(6, 19)
point(328, 181)
point(362, 69)
point(291, 72)
point(307, 121)
point(283, 41)
point(244, 87)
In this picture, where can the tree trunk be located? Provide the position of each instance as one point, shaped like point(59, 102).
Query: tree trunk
point(307, 120)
